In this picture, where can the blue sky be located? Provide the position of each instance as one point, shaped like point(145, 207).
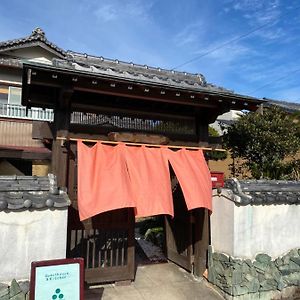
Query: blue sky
point(168, 33)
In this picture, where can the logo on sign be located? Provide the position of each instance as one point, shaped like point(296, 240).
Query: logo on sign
point(58, 295)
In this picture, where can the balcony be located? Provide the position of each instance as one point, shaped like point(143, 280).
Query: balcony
point(20, 112)
point(107, 122)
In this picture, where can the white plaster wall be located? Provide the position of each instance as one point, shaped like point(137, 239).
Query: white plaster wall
point(244, 231)
point(32, 53)
point(222, 225)
point(30, 236)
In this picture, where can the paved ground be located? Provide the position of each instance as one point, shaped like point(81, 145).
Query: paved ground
point(159, 282)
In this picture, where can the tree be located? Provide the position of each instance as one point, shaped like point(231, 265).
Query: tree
point(266, 142)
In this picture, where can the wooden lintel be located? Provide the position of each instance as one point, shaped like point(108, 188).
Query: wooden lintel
point(27, 155)
point(152, 97)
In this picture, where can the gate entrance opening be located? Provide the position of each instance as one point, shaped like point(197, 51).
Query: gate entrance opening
point(107, 240)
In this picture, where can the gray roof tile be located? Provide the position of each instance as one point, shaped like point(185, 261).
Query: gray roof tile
point(23, 192)
point(264, 192)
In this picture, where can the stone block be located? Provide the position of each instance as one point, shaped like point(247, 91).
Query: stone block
point(24, 286)
point(238, 290)
point(268, 275)
point(20, 296)
point(253, 272)
point(245, 268)
point(294, 267)
point(293, 253)
point(261, 277)
point(248, 277)
point(286, 259)
point(248, 262)
point(263, 258)
point(218, 267)
point(260, 266)
point(14, 289)
point(296, 260)
point(237, 277)
point(292, 279)
point(223, 257)
point(281, 284)
point(276, 274)
point(278, 262)
point(212, 275)
point(3, 290)
point(235, 261)
point(285, 270)
point(253, 285)
point(268, 285)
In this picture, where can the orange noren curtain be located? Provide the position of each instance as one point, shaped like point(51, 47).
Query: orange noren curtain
point(150, 179)
point(103, 180)
point(113, 177)
point(193, 175)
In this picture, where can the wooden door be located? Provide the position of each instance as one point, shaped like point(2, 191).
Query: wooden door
point(187, 234)
point(179, 240)
point(106, 241)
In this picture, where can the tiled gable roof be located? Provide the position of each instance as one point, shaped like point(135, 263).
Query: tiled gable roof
point(37, 37)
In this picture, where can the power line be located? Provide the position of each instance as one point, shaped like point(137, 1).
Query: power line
point(270, 82)
point(229, 42)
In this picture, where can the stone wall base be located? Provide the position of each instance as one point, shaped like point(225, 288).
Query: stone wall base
point(262, 278)
point(289, 293)
point(15, 291)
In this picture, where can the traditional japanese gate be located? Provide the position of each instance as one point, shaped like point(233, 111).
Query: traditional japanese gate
point(93, 97)
point(107, 243)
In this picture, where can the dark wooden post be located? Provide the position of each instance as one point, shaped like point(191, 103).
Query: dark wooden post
point(62, 115)
point(201, 240)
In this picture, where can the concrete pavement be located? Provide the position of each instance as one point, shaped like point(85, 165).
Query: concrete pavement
point(164, 281)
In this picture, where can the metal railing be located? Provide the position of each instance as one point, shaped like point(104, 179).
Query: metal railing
point(115, 122)
point(20, 112)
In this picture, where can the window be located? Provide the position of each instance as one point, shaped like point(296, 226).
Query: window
point(14, 95)
point(3, 94)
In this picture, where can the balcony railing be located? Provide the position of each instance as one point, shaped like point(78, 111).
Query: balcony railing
point(19, 112)
point(108, 122)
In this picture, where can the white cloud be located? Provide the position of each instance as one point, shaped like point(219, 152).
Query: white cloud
point(190, 34)
point(259, 13)
point(114, 10)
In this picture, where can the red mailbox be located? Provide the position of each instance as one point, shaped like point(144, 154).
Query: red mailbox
point(217, 179)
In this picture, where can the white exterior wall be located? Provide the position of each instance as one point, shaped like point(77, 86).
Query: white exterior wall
point(244, 231)
point(28, 236)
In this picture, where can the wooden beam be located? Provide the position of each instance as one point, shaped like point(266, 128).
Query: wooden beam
point(22, 154)
point(140, 144)
point(60, 151)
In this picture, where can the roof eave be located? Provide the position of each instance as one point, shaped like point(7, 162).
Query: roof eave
point(203, 90)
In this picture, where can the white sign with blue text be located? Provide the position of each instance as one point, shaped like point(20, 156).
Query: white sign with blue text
point(58, 282)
